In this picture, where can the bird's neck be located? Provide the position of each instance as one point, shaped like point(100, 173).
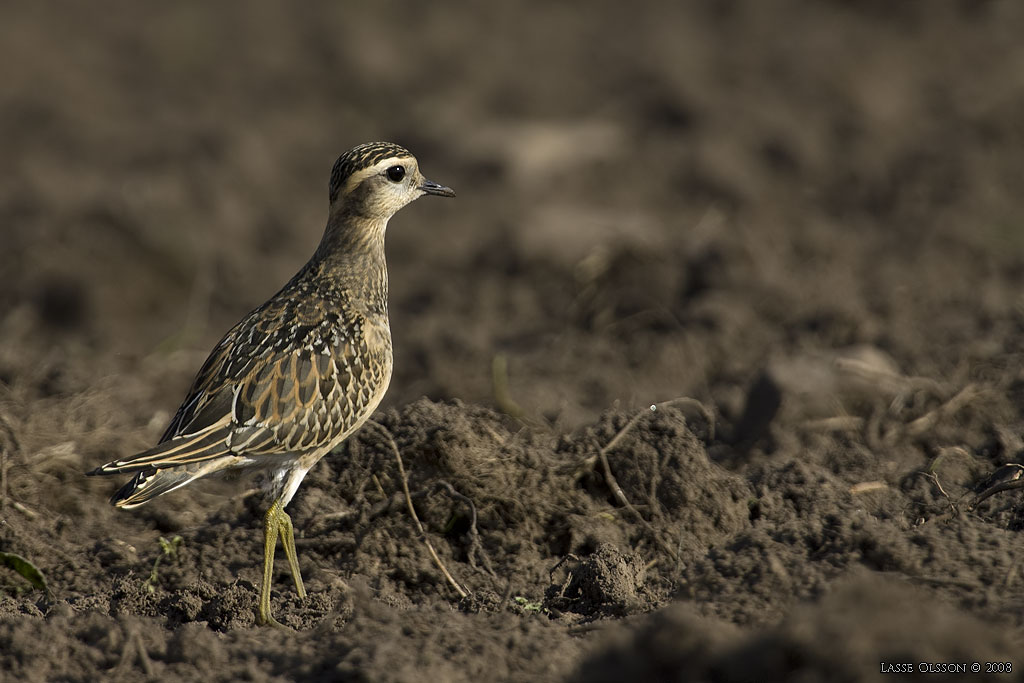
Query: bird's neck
point(351, 255)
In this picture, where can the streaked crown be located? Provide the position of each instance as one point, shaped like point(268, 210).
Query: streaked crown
point(360, 158)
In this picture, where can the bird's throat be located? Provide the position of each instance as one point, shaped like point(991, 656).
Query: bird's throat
point(351, 254)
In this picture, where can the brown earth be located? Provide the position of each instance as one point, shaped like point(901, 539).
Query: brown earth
point(803, 217)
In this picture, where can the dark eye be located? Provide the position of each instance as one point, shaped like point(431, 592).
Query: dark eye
point(396, 173)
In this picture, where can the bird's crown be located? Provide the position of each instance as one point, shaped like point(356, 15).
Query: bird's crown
point(360, 158)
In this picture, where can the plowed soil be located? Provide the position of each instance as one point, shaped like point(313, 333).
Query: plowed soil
point(706, 374)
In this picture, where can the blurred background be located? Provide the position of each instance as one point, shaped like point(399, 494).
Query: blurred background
point(805, 214)
point(653, 198)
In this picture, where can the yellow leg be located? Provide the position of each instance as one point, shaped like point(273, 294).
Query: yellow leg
point(277, 522)
point(288, 541)
point(270, 531)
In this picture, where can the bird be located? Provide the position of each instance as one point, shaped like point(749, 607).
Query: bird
point(301, 373)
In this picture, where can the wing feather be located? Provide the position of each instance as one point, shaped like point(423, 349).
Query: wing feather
point(209, 444)
point(273, 387)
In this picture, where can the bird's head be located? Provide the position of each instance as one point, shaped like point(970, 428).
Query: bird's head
point(376, 179)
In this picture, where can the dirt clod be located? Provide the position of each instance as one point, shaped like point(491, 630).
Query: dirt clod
point(607, 582)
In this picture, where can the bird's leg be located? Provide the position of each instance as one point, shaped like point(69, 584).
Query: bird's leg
point(271, 528)
point(277, 523)
point(288, 541)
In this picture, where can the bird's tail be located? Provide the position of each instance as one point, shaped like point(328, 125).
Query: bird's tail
point(169, 466)
point(148, 484)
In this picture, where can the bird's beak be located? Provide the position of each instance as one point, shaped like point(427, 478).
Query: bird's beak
point(431, 187)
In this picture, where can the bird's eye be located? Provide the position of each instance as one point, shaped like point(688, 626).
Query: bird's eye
point(396, 173)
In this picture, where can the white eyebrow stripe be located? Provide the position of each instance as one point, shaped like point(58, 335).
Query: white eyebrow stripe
point(384, 164)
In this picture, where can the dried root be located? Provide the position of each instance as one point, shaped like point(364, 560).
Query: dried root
point(412, 509)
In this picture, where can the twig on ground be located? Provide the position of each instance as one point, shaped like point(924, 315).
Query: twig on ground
point(475, 546)
point(962, 398)
point(28, 512)
point(380, 489)
point(867, 486)
point(412, 509)
point(935, 479)
point(589, 463)
point(945, 453)
point(565, 558)
point(612, 482)
point(568, 575)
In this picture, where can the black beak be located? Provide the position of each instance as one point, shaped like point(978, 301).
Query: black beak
point(433, 188)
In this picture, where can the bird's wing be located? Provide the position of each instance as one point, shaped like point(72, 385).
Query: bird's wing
point(212, 393)
point(268, 388)
point(303, 400)
point(206, 445)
